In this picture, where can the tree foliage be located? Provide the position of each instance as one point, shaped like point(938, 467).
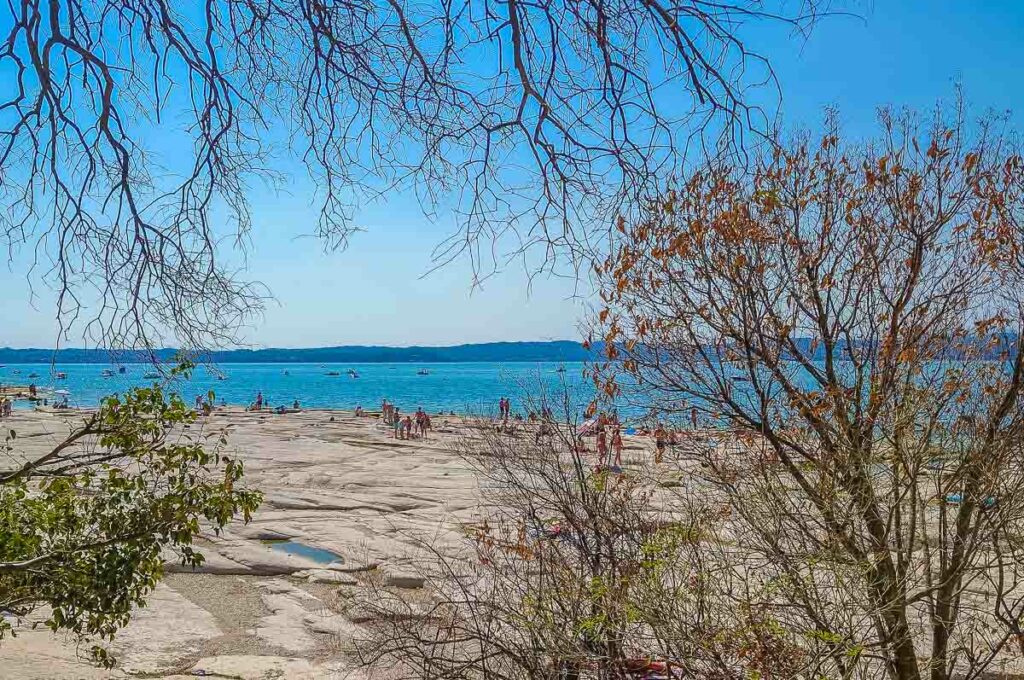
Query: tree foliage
point(84, 526)
point(527, 120)
point(848, 322)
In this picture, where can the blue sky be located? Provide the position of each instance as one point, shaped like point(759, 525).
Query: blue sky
point(903, 53)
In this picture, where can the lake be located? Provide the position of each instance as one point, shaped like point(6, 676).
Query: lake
point(459, 387)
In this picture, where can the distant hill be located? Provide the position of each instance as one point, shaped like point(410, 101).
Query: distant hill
point(558, 350)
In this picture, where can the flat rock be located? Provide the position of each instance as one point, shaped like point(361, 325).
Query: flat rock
point(402, 579)
point(213, 563)
point(286, 626)
point(249, 667)
point(327, 576)
point(335, 625)
point(160, 635)
point(41, 655)
point(254, 532)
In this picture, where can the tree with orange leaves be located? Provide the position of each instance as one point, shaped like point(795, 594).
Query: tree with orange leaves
point(850, 315)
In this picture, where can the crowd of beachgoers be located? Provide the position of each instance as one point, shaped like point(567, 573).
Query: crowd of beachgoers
point(602, 434)
point(605, 429)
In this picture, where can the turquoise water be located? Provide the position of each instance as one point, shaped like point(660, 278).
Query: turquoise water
point(467, 387)
point(318, 555)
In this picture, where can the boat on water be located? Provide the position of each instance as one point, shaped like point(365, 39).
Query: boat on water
point(152, 376)
point(62, 376)
point(33, 375)
point(352, 373)
point(17, 370)
point(107, 373)
point(286, 372)
point(333, 374)
point(423, 371)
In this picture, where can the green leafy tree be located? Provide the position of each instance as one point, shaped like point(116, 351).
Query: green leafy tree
point(84, 525)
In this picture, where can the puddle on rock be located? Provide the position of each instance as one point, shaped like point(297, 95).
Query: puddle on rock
point(318, 555)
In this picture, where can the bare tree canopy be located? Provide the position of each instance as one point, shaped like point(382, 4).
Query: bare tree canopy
point(530, 121)
point(848, 323)
point(573, 572)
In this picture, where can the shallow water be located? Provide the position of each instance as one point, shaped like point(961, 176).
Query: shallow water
point(461, 387)
point(318, 555)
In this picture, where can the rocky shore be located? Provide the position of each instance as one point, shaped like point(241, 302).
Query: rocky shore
point(344, 502)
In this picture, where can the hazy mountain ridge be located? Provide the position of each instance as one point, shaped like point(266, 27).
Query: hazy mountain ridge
point(557, 350)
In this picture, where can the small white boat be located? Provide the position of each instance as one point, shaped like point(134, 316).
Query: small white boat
point(423, 371)
point(62, 376)
point(107, 373)
point(152, 376)
point(333, 374)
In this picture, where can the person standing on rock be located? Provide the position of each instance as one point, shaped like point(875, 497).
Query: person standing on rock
point(617, 445)
point(660, 440)
point(602, 445)
point(420, 415)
